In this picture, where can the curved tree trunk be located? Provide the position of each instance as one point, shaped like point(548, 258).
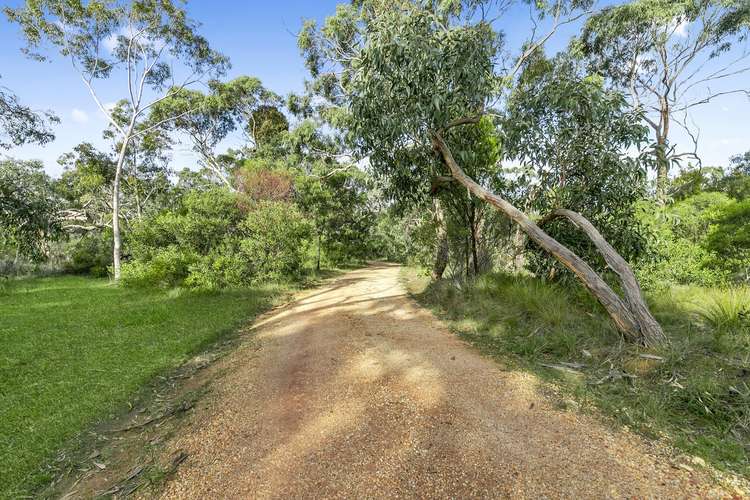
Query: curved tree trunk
point(441, 254)
point(649, 327)
point(618, 310)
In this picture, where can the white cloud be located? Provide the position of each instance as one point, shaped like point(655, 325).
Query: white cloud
point(110, 43)
point(79, 116)
point(682, 29)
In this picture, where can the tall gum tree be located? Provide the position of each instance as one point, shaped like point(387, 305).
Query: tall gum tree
point(150, 45)
point(669, 56)
point(208, 118)
point(412, 72)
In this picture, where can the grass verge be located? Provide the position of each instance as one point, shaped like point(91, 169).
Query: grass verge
point(695, 391)
point(76, 349)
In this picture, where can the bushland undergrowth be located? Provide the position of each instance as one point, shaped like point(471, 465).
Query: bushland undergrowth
point(694, 390)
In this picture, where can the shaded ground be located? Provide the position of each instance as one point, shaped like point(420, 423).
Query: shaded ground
point(354, 391)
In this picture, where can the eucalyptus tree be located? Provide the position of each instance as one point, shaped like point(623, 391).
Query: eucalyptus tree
point(408, 73)
point(29, 208)
point(145, 172)
point(669, 55)
point(20, 124)
point(86, 189)
point(209, 118)
point(151, 45)
point(570, 134)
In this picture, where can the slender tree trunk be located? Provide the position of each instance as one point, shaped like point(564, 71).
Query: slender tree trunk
point(662, 161)
point(441, 254)
point(473, 235)
point(626, 320)
point(317, 265)
point(662, 170)
point(17, 258)
point(467, 262)
point(519, 244)
point(116, 238)
point(630, 286)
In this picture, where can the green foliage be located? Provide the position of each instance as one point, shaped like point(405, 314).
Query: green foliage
point(570, 133)
point(28, 209)
point(165, 267)
point(702, 239)
point(336, 201)
point(90, 254)
point(76, 351)
point(209, 242)
point(20, 124)
point(729, 240)
point(78, 30)
point(274, 239)
point(680, 255)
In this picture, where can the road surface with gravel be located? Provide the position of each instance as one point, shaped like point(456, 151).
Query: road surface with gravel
point(354, 391)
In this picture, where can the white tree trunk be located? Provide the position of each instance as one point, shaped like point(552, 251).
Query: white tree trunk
point(116, 237)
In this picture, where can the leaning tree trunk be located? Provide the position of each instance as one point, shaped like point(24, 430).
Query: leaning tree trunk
point(441, 254)
point(630, 286)
point(631, 316)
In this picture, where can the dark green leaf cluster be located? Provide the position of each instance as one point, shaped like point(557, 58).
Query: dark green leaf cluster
point(29, 217)
point(210, 242)
point(572, 135)
point(20, 124)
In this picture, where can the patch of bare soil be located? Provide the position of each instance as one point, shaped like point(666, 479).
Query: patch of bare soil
point(354, 391)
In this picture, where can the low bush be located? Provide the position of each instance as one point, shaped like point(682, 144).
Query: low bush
point(91, 254)
point(166, 267)
point(209, 243)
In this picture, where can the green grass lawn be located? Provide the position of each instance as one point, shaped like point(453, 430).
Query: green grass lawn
point(697, 394)
point(74, 349)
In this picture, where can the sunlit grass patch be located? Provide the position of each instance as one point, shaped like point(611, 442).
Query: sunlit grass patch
point(75, 349)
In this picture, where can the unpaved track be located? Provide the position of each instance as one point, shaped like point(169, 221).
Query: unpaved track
point(353, 391)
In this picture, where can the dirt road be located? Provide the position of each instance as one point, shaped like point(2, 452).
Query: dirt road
point(353, 391)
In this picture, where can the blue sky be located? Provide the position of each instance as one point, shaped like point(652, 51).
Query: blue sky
point(259, 39)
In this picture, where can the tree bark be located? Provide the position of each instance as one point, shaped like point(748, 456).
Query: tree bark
point(647, 324)
point(519, 245)
point(618, 310)
point(116, 238)
point(441, 254)
point(317, 265)
point(662, 171)
point(473, 237)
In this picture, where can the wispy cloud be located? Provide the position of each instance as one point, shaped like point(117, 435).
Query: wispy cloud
point(110, 43)
point(79, 116)
point(682, 29)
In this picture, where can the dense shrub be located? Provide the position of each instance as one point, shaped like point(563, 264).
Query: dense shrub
point(211, 243)
point(687, 242)
point(729, 240)
point(165, 267)
point(274, 238)
point(91, 254)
